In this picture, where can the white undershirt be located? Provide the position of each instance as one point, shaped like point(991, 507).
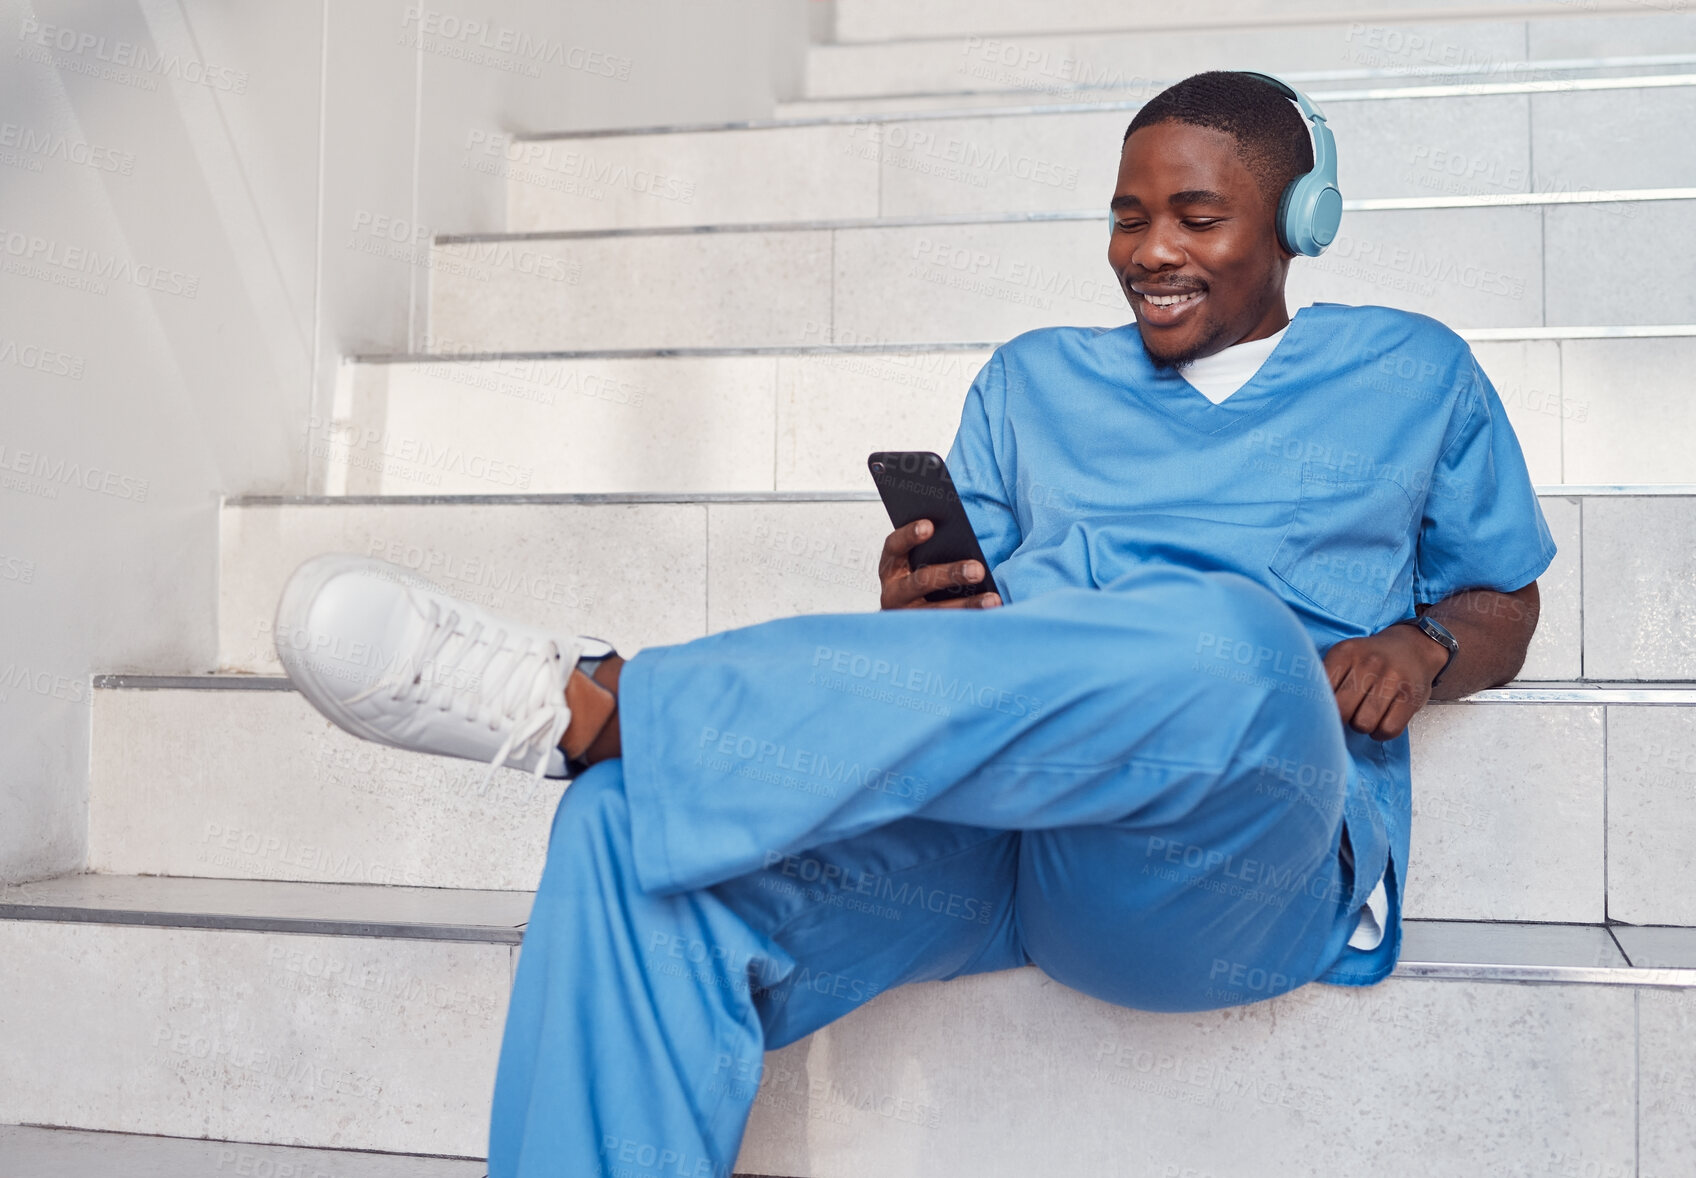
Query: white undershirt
point(1223, 373)
point(1369, 932)
point(1216, 377)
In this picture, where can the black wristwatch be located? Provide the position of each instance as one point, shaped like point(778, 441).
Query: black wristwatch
point(1438, 633)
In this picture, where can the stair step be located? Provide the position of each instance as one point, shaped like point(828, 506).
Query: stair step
point(352, 1042)
point(1033, 97)
point(35, 1152)
point(1493, 950)
point(275, 1037)
point(166, 900)
point(1384, 50)
point(634, 570)
point(651, 570)
point(629, 569)
point(1553, 803)
point(955, 20)
point(942, 280)
point(1487, 1078)
point(721, 422)
point(255, 785)
point(1440, 139)
point(1587, 411)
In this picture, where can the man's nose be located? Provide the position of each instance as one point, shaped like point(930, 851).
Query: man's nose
point(1158, 248)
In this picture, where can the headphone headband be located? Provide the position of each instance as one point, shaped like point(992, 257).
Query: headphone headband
point(1288, 91)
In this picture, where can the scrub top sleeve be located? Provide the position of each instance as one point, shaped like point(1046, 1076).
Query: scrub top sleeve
point(976, 470)
point(1483, 527)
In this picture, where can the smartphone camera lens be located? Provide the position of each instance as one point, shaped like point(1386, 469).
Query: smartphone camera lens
point(877, 468)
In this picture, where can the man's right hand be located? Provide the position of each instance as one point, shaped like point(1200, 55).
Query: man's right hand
point(903, 588)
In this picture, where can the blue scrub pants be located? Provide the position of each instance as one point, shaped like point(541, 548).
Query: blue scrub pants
point(1140, 789)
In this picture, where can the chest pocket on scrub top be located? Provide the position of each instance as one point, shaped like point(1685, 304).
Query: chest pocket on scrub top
point(1348, 546)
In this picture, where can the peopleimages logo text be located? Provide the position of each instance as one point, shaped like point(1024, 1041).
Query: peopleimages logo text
point(130, 55)
point(30, 248)
point(444, 27)
point(57, 470)
point(54, 146)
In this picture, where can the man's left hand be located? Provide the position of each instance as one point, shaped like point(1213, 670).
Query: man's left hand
point(1383, 679)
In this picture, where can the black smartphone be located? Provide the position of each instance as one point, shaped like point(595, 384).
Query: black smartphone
point(914, 485)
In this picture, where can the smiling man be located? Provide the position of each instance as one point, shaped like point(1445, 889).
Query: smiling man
point(1194, 242)
point(1354, 460)
point(1240, 551)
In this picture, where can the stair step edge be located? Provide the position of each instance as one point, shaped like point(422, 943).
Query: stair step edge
point(947, 220)
point(1357, 94)
point(1589, 954)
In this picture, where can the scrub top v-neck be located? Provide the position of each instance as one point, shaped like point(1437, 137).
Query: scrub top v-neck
point(1219, 376)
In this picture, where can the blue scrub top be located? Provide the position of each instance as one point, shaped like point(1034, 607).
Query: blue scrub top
point(1367, 465)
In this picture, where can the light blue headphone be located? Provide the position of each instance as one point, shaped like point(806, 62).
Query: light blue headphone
point(1311, 208)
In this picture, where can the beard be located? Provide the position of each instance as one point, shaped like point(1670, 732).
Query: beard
point(1205, 343)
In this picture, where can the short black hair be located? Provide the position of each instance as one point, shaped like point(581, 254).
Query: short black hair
point(1272, 136)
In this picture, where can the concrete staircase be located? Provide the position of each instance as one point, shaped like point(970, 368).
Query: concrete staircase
point(643, 414)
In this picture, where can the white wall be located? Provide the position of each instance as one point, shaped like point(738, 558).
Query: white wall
point(190, 191)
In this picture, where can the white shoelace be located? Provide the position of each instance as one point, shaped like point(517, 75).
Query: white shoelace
point(527, 696)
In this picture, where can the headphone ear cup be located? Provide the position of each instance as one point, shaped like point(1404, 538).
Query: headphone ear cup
point(1327, 217)
point(1309, 213)
point(1282, 223)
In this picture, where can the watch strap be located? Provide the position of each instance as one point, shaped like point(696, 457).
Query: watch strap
point(1438, 633)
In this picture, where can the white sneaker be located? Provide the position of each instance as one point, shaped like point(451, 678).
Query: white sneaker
point(392, 658)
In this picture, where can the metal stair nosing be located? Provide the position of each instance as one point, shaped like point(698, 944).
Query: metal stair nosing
point(1477, 951)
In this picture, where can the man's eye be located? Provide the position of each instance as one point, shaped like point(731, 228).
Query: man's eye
point(1131, 226)
point(1200, 222)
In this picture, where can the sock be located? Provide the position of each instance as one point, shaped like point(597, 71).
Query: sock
point(592, 705)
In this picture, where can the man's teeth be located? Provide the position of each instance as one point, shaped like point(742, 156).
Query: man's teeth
point(1171, 300)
